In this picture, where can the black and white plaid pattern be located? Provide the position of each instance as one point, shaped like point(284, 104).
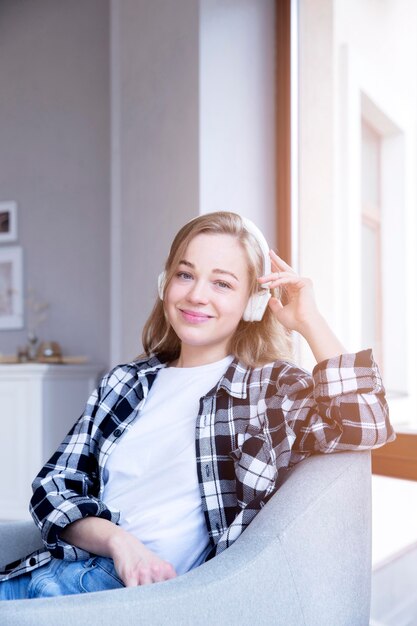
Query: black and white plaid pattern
point(255, 424)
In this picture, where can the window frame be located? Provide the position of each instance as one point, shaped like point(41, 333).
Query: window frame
point(372, 218)
point(283, 60)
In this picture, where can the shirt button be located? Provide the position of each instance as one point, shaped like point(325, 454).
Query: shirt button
point(117, 432)
point(32, 561)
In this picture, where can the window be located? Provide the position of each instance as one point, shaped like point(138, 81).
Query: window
point(384, 282)
point(285, 127)
point(385, 273)
point(372, 297)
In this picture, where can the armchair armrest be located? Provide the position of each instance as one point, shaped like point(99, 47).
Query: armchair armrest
point(305, 559)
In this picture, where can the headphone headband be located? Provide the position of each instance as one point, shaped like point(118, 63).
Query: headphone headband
point(257, 233)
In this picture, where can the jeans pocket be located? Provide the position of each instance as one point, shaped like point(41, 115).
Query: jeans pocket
point(100, 575)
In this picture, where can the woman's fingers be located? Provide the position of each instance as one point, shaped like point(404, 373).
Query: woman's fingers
point(141, 566)
point(272, 276)
point(169, 572)
point(282, 278)
point(275, 304)
point(283, 271)
point(279, 263)
point(145, 577)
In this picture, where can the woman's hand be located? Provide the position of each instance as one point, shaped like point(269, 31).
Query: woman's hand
point(300, 313)
point(301, 308)
point(137, 565)
point(134, 563)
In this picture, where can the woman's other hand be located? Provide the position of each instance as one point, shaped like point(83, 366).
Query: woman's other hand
point(301, 307)
point(137, 565)
point(300, 312)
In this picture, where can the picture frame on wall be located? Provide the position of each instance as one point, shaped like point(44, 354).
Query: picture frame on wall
point(8, 222)
point(11, 287)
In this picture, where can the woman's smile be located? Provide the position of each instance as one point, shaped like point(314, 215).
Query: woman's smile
point(194, 317)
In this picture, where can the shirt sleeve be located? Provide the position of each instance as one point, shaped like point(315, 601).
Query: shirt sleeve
point(342, 406)
point(66, 489)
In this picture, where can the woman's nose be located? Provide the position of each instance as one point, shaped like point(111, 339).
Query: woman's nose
point(197, 292)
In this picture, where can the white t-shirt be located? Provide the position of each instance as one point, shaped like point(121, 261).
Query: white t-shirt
point(151, 476)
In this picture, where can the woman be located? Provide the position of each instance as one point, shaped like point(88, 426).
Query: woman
point(141, 489)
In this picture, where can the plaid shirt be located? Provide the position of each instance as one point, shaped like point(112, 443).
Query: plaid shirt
point(255, 424)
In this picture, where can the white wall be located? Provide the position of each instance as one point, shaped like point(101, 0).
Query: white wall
point(54, 161)
point(319, 235)
point(237, 109)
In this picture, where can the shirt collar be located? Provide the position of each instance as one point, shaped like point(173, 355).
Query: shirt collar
point(234, 380)
point(148, 369)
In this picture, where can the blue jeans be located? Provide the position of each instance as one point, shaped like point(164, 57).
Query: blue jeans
point(61, 578)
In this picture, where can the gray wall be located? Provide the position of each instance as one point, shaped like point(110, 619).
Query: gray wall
point(155, 165)
point(55, 162)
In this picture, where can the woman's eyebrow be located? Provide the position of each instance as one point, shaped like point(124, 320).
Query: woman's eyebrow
point(215, 271)
point(219, 271)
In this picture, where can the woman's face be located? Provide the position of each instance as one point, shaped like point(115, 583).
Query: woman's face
point(206, 297)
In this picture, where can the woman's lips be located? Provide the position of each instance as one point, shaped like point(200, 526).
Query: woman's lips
point(194, 318)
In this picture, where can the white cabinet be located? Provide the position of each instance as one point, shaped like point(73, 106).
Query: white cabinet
point(39, 403)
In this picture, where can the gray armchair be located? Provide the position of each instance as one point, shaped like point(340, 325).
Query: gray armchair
point(304, 560)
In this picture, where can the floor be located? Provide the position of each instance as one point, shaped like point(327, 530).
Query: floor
point(394, 517)
point(394, 591)
point(394, 558)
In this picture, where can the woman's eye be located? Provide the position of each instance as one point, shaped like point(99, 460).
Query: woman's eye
point(223, 285)
point(185, 275)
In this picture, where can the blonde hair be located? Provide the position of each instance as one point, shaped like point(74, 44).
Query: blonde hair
point(254, 343)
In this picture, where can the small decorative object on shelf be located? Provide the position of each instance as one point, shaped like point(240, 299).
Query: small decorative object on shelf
point(37, 314)
point(22, 354)
point(49, 352)
point(31, 347)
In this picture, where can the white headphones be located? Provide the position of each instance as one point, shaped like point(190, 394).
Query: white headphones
point(258, 302)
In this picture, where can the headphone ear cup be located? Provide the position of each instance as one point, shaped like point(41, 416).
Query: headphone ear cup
point(161, 285)
point(256, 307)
